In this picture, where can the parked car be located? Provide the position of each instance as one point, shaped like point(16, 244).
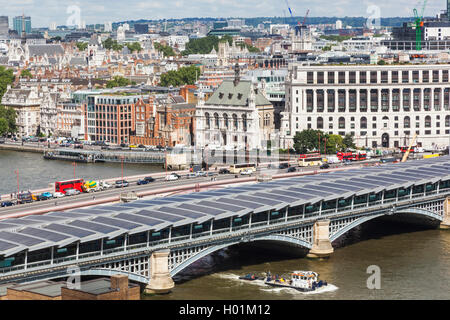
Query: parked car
point(141, 146)
point(291, 169)
point(246, 172)
point(72, 192)
point(224, 171)
point(172, 177)
point(122, 184)
point(123, 145)
point(58, 195)
point(325, 166)
point(45, 196)
point(7, 204)
point(133, 146)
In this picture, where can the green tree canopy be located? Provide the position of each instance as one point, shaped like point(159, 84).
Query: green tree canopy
point(26, 74)
point(348, 142)
point(111, 44)
point(308, 141)
point(6, 78)
point(205, 45)
point(8, 118)
point(118, 81)
point(135, 46)
point(166, 50)
point(184, 75)
point(82, 45)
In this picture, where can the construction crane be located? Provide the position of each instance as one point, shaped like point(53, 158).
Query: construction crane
point(304, 19)
point(290, 11)
point(418, 21)
point(405, 156)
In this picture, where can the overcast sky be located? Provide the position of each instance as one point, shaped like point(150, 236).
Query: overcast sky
point(44, 12)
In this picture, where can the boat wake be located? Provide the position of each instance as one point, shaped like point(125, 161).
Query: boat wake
point(328, 288)
point(266, 288)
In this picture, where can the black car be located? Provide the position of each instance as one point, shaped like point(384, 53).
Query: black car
point(325, 166)
point(283, 166)
point(7, 203)
point(141, 182)
point(291, 169)
point(123, 145)
point(149, 179)
point(224, 171)
point(141, 146)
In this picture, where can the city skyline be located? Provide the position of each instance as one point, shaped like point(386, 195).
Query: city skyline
point(45, 12)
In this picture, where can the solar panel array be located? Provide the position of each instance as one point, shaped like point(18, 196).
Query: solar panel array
point(109, 221)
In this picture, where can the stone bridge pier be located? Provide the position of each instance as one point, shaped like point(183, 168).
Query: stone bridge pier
point(160, 279)
point(321, 247)
point(445, 224)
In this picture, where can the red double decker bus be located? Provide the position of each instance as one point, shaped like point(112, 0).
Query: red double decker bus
point(351, 156)
point(404, 149)
point(61, 186)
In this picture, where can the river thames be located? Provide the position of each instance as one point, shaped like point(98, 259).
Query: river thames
point(414, 260)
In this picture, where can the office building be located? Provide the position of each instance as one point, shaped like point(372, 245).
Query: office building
point(381, 106)
point(22, 24)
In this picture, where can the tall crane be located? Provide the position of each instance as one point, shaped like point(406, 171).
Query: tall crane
point(304, 19)
point(418, 20)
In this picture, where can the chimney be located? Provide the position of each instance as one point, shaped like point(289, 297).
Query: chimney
point(236, 74)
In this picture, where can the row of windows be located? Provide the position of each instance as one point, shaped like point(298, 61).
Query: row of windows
point(344, 77)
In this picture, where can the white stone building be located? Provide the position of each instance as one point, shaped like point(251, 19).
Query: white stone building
point(382, 106)
point(237, 115)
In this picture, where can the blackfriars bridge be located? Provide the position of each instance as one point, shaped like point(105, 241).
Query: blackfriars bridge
point(153, 240)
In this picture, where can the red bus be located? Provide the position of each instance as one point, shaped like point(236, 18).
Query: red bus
point(404, 149)
point(351, 156)
point(61, 186)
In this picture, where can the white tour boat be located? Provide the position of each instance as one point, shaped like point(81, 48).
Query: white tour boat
point(300, 280)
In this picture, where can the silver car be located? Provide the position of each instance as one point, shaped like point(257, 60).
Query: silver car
point(72, 192)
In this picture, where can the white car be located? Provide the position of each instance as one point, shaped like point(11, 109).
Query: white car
point(172, 177)
point(58, 195)
point(246, 172)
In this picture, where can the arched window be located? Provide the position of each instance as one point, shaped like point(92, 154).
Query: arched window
point(341, 123)
point(427, 122)
point(319, 123)
point(363, 123)
point(208, 121)
point(244, 121)
point(235, 121)
point(407, 122)
point(216, 121)
point(225, 119)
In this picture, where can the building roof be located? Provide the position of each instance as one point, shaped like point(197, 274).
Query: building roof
point(228, 94)
point(59, 229)
point(45, 49)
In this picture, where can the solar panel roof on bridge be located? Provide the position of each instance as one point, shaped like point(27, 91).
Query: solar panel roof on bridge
point(109, 221)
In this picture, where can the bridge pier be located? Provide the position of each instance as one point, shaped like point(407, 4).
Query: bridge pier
point(160, 280)
point(445, 224)
point(322, 247)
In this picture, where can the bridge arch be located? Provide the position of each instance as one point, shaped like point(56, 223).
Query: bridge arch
point(357, 222)
point(211, 249)
point(110, 272)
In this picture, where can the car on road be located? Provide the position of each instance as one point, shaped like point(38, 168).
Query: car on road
point(224, 171)
point(246, 172)
point(283, 166)
point(172, 177)
point(106, 185)
point(45, 196)
point(121, 183)
point(133, 146)
point(211, 174)
point(191, 175)
point(325, 166)
point(201, 173)
point(7, 204)
point(58, 195)
point(141, 146)
point(72, 192)
point(291, 169)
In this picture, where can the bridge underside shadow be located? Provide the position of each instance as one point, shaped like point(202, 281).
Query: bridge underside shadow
point(240, 255)
point(384, 226)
